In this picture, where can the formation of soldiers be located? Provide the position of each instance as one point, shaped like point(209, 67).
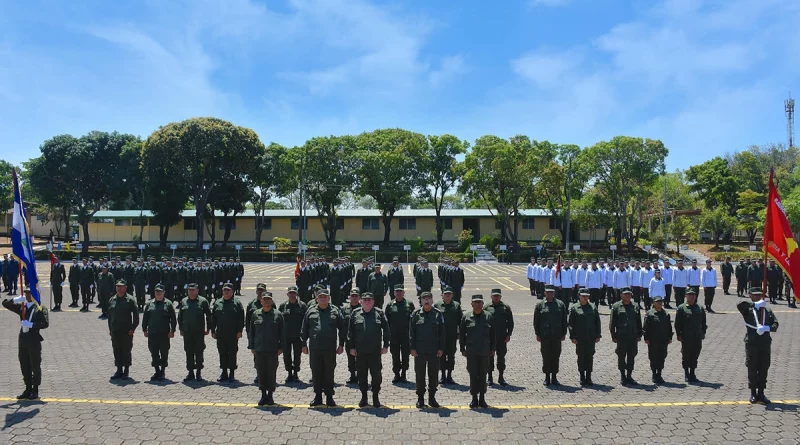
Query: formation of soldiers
point(431, 333)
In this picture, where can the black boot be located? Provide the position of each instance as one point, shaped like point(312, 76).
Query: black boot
point(692, 376)
point(547, 379)
point(25, 394)
point(363, 401)
point(376, 401)
point(126, 373)
point(589, 378)
point(420, 401)
point(118, 374)
point(263, 400)
point(223, 376)
point(403, 376)
point(655, 376)
point(685, 374)
point(554, 381)
point(198, 376)
point(270, 400)
point(35, 394)
point(317, 400)
point(482, 401)
point(658, 376)
point(450, 380)
point(622, 380)
point(753, 395)
point(156, 374)
point(396, 378)
point(231, 377)
point(761, 396)
point(583, 378)
point(474, 402)
point(289, 377)
point(500, 379)
point(490, 381)
point(352, 380)
point(329, 400)
point(432, 400)
point(630, 379)
point(189, 377)
point(443, 380)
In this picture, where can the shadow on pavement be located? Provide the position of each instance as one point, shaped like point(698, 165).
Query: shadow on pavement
point(382, 412)
point(601, 388)
point(782, 407)
point(123, 382)
point(456, 387)
point(564, 388)
point(333, 411)
point(276, 409)
point(194, 384)
point(494, 412)
point(165, 382)
point(703, 384)
point(18, 417)
point(673, 385)
point(508, 388)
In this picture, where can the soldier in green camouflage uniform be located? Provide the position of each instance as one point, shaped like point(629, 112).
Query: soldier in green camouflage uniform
point(158, 326)
point(584, 332)
point(227, 323)
point(657, 333)
point(451, 310)
point(550, 326)
point(194, 321)
point(123, 319)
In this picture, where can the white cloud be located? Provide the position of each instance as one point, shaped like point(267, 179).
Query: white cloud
point(546, 69)
point(449, 68)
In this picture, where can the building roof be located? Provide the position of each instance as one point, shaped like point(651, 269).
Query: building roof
point(311, 213)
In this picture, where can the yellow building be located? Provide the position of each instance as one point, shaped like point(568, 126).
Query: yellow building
point(354, 226)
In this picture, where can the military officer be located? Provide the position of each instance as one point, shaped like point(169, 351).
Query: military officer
point(726, 269)
point(741, 278)
point(129, 274)
point(427, 340)
point(456, 281)
point(227, 323)
point(238, 273)
point(58, 274)
point(194, 321)
point(690, 329)
point(424, 278)
point(362, 276)
point(550, 326)
point(336, 280)
point(33, 318)
point(378, 285)
point(153, 277)
point(253, 306)
point(503, 320)
point(394, 275)
point(87, 285)
point(74, 282)
point(584, 332)
point(158, 326)
point(477, 342)
point(451, 310)
point(140, 283)
point(323, 334)
point(266, 338)
point(774, 275)
point(398, 311)
point(760, 322)
point(368, 338)
point(626, 331)
point(123, 319)
point(755, 274)
point(352, 305)
point(293, 311)
point(105, 289)
point(657, 332)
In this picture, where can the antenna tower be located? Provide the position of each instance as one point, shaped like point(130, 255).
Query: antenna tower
point(789, 106)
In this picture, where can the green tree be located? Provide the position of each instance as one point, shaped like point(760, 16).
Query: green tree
point(718, 223)
point(6, 186)
point(272, 172)
point(166, 196)
point(439, 170)
point(680, 228)
point(202, 152)
point(752, 167)
point(230, 197)
point(564, 177)
point(714, 183)
point(749, 204)
point(388, 169)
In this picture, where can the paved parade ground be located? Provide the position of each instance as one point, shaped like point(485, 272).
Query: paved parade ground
point(81, 405)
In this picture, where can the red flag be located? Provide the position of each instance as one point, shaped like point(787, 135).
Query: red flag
point(52, 258)
point(558, 267)
point(779, 242)
point(297, 269)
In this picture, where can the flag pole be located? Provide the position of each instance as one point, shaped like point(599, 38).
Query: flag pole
point(764, 237)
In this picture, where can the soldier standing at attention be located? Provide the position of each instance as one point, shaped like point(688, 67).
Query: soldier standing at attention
point(456, 279)
point(626, 331)
point(378, 285)
point(74, 282)
point(477, 342)
point(680, 279)
point(708, 278)
point(531, 273)
point(760, 322)
point(503, 321)
point(726, 269)
point(158, 326)
point(362, 276)
point(33, 318)
point(194, 320)
point(690, 328)
point(123, 319)
point(550, 325)
point(323, 335)
point(153, 277)
point(105, 289)
point(584, 332)
point(427, 339)
point(238, 273)
point(755, 274)
point(395, 274)
point(253, 306)
point(87, 284)
point(657, 332)
point(774, 275)
point(336, 280)
point(293, 311)
point(227, 323)
point(667, 273)
point(451, 310)
point(347, 311)
point(787, 290)
point(367, 340)
point(140, 283)
point(398, 311)
point(424, 279)
point(266, 339)
point(741, 278)
point(58, 274)
point(129, 274)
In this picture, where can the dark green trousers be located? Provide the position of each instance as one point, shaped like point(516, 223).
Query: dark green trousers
point(194, 345)
point(58, 293)
point(585, 351)
point(499, 355)
point(657, 353)
point(551, 354)
point(369, 366)
point(30, 361)
point(478, 368)
point(323, 365)
point(448, 360)
point(122, 344)
point(266, 368)
point(690, 352)
point(626, 353)
point(426, 365)
point(228, 347)
point(292, 353)
point(757, 360)
point(400, 349)
point(159, 349)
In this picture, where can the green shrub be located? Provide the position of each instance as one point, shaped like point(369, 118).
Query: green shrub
point(281, 242)
point(491, 241)
point(464, 240)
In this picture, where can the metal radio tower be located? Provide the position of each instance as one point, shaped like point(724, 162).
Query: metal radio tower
point(789, 105)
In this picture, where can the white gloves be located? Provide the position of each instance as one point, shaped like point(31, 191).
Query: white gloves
point(19, 300)
point(91, 286)
point(185, 286)
point(760, 304)
point(762, 329)
point(26, 324)
point(146, 287)
point(213, 286)
point(237, 279)
point(174, 287)
point(62, 283)
point(220, 283)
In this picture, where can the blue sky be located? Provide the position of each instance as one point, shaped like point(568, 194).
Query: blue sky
point(705, 76)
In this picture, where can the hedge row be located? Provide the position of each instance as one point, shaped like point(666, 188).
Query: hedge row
point(735, 256)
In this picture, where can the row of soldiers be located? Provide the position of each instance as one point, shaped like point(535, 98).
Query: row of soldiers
point(750, 273)
point(89, 279)
point(9, 270)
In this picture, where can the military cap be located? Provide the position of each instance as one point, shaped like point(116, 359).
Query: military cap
point(399, 287)
point(355, 291)
point(291, 289)
point(128, 257)
point(497, 292)
point(159, 288)
point(377, 264)
point(658, 298)
point(27, 291)
point(323, 291)
point(756, 291)
point(694, 260)
point(477, 297)
point(584, 291)
point(192, 286)
point(364, 260)
point(426, 294)
point(447, 289)
point(367, 295)
point(261, 286)
point(626, 290)
point(690, 290)
point(549, 288)
point(121, 282)
point(395, 259)
point(104, 266)
point(227, 285)
point(267, 295)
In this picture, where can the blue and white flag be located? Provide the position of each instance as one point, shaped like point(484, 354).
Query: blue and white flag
point(21, 242)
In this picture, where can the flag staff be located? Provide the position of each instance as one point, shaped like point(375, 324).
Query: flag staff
point(764, 236)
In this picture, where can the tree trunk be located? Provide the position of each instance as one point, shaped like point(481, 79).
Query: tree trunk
point(163, 235)
point(200, 207)
point(439, 226)
point(86, 240)
point(259, 229)
point(387, 227)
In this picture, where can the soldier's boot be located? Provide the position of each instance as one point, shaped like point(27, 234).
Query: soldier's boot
point(660, 379)
point(317, 400)
point(329, 400)
point(692, 376)
point(189, 376)
point(490, 380)
point(622, 379)
point(376, 401)
point(35, 393)
point(482, 401)
point(296, 378)
point(630, 379)
point(289, 377)
point(761, 396)
point(255, 381)
point(589, 381)
point(25, 394)
point(432, 400)
point(363, 402)
point(443, 380)
point(554, 381)
point(198, 376)
point(396, 378)
point(753, 396)
point(270, 400)
point(403, 376)
point(547, 379)
point(223, 375)
point(352, 380)
point(474, 402)
point(583, 378)
point(231, 377)
point(126, 373)
point(500, 379)
point(420, 401)
point(156, 375)
point(117, 374)
point(263, 400)
point(450, 380)
point(686, 374)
